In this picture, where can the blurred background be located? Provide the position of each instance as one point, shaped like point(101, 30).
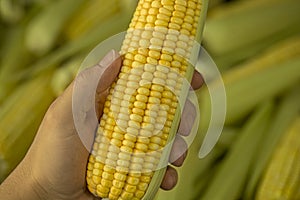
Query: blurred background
point(255, 44)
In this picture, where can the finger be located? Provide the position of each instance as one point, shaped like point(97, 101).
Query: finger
point(187, 119)
point(90, 89)
point(170, 179)
point(178, 151)
point(197, 80)
point(111, 68)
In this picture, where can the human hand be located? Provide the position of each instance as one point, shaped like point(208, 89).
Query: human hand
point(55, 165)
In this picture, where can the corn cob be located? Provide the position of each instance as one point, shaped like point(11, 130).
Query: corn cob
point(282, 177)
point(140, 115)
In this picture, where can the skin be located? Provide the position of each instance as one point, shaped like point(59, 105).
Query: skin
point(55, 165)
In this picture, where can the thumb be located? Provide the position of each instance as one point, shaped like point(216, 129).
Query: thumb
point(90, 89)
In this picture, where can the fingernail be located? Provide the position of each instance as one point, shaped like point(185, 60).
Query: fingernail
point(108, 59)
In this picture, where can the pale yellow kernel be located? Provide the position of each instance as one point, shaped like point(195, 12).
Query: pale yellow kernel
point(168, 123)
point(153, 11)
point(160, 29)
point(140, 105)
point(178, 14)
point(147, 126)
point(140, 58)
point(143, 91)
point(148, 119)
point(116, 142)
point(135, 38)
point(170, 117)
point(128, 143)
point(165, 11)
point(150, 159)
point(107, 133)
point(171, 83)
point(156, 140)
point(155, 94)
point(128, 96)
point(154, 54)
point(139, 194)
point(189, 19)
point(133, 180)
point(154, 100)
point(128, 92)
point(90, 166)
point(143, 12)
point(182, 44)
point(180, 52)
point(176, 64)
point(159, 74)
point(146, 133)
point(159, 81)
point(164, 63)
point(97, 172)
point(136, 64)
point(115, 191)
point(163, 17)
point(158, 88)
point(168, 58)
point(101, 159)
point(112, 196)
point(142, 98)
point(148, 165)
point(132, 84)
point(177, 20)
point(136, 167)
point(89, 174)
point(123, 116)
point(153, 147)
point(120, 88)
point(141, 146)
point(132, 131)
point(123, 163)
point(174, 26)
point(130, 188)
point(119, 182)
point(120, 177)
point(167, 101)
point(133, 78)
point(167, 2)
point(134, 44)
point(130, 137)
point(192, 5)
point(102, 189)
point(112, 155)
point(187, 26)
point(190, 12)
point(134, 124)
point(156, 42)
point(161, 23)
point(151, 19)
point(129, 56)
point(107, 176)
point(149, 67)
point(138, 111)
point(145, 179)
point(168, 50)
point(147, 34)
point(147, 76)
point(137, 118)
point(124, 156)
point(126, 195)
point(137, 159)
